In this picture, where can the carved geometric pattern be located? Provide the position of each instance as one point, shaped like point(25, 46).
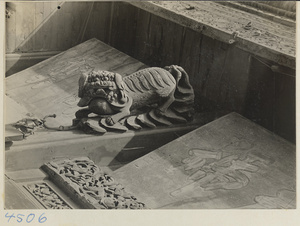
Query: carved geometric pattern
point(46, 196)
point(89, 186)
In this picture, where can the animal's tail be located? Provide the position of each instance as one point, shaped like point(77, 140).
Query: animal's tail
point(184, 93)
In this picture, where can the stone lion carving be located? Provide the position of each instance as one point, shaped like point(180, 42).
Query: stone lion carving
point(165, 91)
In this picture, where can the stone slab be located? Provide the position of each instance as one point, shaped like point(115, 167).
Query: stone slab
point(228, 163)
point(51, 87)
point(32, 189)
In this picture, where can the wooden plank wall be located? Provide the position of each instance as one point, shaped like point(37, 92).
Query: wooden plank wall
point(45, 26)
point(223, 76)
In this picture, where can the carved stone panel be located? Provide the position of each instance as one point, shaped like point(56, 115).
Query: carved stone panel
point(47, 196)
point(89, 186)
point(228, 163)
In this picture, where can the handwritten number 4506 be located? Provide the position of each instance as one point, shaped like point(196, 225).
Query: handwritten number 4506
point(30, 217)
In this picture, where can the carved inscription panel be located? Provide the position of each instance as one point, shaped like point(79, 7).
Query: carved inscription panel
point(228, 163)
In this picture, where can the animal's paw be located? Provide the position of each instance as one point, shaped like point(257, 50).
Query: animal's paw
point(109, 121)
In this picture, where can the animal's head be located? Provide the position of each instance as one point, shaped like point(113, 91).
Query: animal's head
point(103, 86)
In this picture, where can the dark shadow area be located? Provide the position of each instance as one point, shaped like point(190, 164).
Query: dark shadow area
point(141, 145)
point(270, 100)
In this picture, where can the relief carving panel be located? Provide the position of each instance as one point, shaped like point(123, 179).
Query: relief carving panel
point(46, 196)
point(89, 186)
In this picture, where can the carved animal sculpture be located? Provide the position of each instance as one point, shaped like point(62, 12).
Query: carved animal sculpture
point(109, 95)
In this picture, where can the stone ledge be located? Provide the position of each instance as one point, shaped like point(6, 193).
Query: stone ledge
point(265, 38)
point(278, 15)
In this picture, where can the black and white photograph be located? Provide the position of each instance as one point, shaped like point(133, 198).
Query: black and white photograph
point(149, 105)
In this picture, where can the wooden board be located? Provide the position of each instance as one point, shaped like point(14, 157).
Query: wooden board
point(228, 163)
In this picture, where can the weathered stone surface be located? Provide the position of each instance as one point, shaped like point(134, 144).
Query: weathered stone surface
point(228, 163)
point(51, 87)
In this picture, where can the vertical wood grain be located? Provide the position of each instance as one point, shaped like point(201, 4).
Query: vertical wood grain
point(60, 26)
point(50, 21)
point(172, 36)
point(41, 26)
point(24, 26)
point(39, 30)
point(260, 99)
point(192, 59)
point(142, 44)
point(285, 106)
point(123, 27)
point(11, 32)
point(98, 25)
point(79, 21)
point(234, 80)
point(211, 68)
point(158, 41)
point(70, 11)
point(191, 53)
point(67, 33)
point(154, 41)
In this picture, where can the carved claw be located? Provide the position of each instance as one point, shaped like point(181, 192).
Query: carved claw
point(110, 121)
